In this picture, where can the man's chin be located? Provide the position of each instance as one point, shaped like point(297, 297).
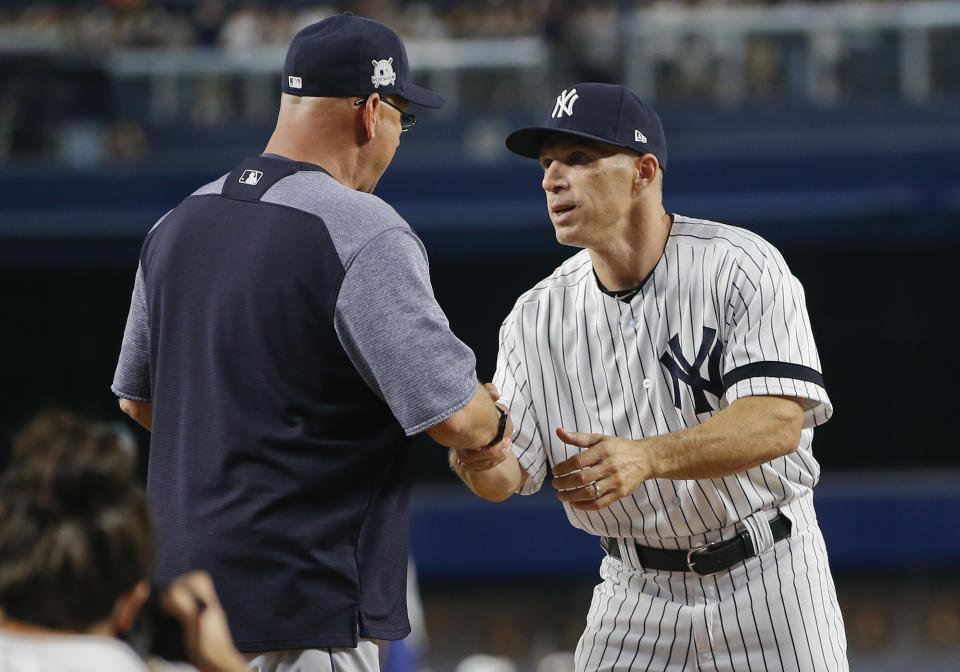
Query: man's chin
point(567, 236)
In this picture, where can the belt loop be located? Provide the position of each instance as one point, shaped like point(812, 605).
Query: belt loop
point(761, 536)
point(800, 512)
point(628, 552)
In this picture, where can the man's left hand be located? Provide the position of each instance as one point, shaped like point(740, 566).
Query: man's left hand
point(610, 469)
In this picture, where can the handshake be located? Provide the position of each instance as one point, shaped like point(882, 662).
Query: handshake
point(487, 457)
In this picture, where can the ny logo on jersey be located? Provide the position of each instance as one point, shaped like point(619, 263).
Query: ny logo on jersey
point(682, 370)
point(565, 102)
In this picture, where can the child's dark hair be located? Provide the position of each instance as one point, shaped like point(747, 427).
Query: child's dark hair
point(75, 535)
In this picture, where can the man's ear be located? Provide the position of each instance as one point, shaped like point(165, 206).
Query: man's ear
point(647, 168)
point(370, 117)
point(129, 606)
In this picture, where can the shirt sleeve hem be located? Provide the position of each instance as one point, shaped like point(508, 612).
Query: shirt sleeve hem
point(443, 415)
point(127, 395)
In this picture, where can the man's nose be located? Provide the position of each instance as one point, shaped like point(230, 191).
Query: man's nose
point(553, 178)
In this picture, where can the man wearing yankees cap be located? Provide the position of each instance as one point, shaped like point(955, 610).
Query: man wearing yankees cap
point(668, 378)
point(283, 343)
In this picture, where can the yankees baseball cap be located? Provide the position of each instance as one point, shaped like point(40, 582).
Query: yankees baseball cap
point(606, 112)
point(348, 55)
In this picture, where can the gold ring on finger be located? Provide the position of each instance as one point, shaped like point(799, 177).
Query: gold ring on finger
point(596, 489)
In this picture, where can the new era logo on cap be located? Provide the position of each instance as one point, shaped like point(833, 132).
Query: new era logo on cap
point(639, 137)
point(295, 82)
point(251, 176)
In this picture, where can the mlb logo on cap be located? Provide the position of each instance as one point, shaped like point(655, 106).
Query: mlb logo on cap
point(295, 82)
point(605, 112)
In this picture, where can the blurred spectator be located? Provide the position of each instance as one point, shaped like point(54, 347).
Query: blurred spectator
point(125, 141)
point(80, 143)
point(208, 19)
point(243, 29)
point(481, 662)
point(421, 21)
point(10, 120)
point(75, 550)
point(596, 38)
point(558, 661)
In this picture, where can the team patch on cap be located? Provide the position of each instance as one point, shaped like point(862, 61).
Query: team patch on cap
point(383, 73)
point(295, 82)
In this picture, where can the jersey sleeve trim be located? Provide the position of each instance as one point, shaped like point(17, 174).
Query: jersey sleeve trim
point(120, 394)
point(772, 370)
point(442, 415)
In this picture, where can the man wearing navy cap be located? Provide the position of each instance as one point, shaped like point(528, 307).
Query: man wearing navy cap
point(283, 343)
point(668, 378)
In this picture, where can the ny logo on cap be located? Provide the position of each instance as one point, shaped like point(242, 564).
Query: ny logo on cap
point(564, 105)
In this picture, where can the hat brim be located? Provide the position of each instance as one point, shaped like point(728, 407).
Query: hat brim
point(421, 96)
point(527, 141)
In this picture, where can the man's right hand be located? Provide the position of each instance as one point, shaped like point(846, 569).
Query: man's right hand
point(474, 426)
point(484, 458)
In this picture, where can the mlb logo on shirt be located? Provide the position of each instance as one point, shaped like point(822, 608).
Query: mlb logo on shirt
point(251, 176)
point(295, 82)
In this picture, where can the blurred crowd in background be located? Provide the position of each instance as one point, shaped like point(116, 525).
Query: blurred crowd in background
point(240, 24)
point(90, 32)
point(230, 25)
point(86, 82)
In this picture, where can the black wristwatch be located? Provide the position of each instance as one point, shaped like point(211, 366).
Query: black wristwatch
point(501, 427)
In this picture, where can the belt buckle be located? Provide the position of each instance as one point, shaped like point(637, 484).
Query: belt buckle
point(706, 547)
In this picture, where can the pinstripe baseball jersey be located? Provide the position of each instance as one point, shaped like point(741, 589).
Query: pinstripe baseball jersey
point(719, 318)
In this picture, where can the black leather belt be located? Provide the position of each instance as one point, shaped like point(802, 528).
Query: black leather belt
point(703, 560)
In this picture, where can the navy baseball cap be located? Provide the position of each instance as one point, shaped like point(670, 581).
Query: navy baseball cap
point(606, 112)
point(347, 55)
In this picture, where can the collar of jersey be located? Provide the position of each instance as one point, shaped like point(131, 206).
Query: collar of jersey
point(634, 292)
